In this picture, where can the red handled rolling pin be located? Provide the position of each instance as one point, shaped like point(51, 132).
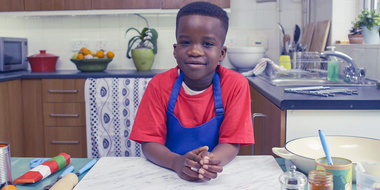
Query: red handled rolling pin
point(66, 183)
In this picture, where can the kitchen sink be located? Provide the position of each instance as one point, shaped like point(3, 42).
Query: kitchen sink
point(307, 78)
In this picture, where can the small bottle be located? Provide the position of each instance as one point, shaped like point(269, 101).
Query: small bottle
point(332, 67)
point(293, 180)
point(320, 180)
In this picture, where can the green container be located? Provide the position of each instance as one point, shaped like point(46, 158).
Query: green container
point(91, 65)
point(143, 58)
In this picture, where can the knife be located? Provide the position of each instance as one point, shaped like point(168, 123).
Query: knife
point(86, 167)
point(66, 171)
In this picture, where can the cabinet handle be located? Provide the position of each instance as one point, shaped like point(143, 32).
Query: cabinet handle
point(64, 115)
point(65, 142)
point(64, 91)
point(256, 115)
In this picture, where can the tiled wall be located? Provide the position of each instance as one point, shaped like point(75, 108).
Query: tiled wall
point(54, 33)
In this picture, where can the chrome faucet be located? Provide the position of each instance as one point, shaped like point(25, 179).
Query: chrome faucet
point(353, 74)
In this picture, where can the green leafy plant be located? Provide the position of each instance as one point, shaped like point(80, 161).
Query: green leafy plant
point(367, 18)
point(147, 38)
point(356, 31)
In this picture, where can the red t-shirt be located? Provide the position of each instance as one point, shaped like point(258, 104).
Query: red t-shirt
point(194, 110)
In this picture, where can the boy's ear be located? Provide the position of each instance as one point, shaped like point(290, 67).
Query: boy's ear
point(223, 54)
point(174, 51)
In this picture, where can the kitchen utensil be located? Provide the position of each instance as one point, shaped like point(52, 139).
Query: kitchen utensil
point(293, 179)
point(342, 169)
point(368, 175)
point(43, 62)
point(325, 146)
point(91, 65)
point(245, 58)
point(66, 171)
point(307, 35)
point(297, 33)
point(320, 36)
point(285, 61)
point(303, 151)
point(66, 183)
point(283, 39)
point(86, 167)
point(5, 164)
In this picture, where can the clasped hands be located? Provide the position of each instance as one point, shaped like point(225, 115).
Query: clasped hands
point(198, 164)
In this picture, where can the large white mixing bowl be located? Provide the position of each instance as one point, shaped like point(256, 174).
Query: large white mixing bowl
point(245, 58)
point(303, 151)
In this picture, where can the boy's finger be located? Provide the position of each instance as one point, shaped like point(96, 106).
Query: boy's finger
point(200, 149)
point(213, 168)
point(190, 172)
point(192, 164)
point(207, 174)
point(211, 161)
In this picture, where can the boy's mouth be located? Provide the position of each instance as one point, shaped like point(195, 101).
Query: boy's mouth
point(195, 63)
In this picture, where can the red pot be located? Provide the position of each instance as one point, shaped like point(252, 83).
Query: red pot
point(43, 62)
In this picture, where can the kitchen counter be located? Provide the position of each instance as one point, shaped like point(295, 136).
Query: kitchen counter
point(367, 99)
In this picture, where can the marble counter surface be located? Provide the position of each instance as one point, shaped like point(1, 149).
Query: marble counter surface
point(244, 172)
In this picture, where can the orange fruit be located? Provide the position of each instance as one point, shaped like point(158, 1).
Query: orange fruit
point(80, 56)
point(82, 49)
point(110, 54)
point(86, 52)
point(99, 54)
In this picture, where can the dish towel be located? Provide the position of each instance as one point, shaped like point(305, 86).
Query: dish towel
point(111, 106)
point(266, 65)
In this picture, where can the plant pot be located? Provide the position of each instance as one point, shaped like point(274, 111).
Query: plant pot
point(143, 58)
point(356, 38)
point(371, 36)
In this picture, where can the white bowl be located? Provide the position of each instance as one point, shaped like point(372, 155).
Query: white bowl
point(303, 151)
point(245, 58)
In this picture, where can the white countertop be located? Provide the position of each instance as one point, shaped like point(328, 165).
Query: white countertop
point(244, 172)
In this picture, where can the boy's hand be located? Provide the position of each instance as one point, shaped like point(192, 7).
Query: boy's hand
point(183, 164)
point(211, 166)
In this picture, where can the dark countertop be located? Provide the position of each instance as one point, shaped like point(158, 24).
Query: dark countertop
point(7, 76)
point(367, 99)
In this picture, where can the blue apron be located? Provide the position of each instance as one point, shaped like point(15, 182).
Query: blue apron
point(181, 140)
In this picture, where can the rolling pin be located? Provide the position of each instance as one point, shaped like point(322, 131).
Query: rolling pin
point(66, 183)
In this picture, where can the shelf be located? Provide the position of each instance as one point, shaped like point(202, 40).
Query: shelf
point(93, 12)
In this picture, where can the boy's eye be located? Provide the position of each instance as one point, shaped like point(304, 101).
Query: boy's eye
point(207, 44)
point(184, 42)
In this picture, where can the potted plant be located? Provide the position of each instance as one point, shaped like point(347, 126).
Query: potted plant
point(356, 35)
point(145, 49)
point(370, 23)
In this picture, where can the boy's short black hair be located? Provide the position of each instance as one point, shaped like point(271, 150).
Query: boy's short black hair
point(204, 9)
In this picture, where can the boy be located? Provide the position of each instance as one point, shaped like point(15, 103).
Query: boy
point(193, 118)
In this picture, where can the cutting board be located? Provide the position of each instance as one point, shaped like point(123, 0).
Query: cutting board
point(244, 172)
point(321, 33)
point(307, 35)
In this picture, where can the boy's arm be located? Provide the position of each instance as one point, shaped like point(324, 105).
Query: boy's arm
point(181, 164)
point(226, 152)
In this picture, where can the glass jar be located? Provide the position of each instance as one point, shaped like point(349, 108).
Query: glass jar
point(320, 180)
point(293, 180)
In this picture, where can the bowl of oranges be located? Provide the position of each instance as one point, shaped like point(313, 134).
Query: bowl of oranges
point(89, 61)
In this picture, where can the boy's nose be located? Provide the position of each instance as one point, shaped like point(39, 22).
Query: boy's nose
point(195, 52)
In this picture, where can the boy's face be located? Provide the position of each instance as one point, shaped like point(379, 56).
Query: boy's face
point(199, 47)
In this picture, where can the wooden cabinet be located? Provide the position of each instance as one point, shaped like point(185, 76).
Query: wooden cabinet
point(64, 117)
point(268, 123)
point(49, 5)
point(174, 4)
point(12, 5)
point(126, 4)
point(54, 117)
point(11, 126)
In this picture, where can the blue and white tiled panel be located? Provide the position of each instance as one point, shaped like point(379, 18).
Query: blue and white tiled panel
point(111, 106)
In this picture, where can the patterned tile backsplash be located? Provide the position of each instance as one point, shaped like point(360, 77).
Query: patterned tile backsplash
point(248, 18)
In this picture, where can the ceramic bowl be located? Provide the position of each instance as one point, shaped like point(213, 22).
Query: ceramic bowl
point(303, 151)
point(91, 65)
point(245, 58)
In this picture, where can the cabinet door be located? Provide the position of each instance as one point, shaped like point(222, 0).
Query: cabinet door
point(11, 5)
point(71, 140)
point(63, 90)
point(64, 114)
point(174, 4)
point(125, 4)
point(11, 125)
point(269, 127)
point(33, 117)
point(48, 5)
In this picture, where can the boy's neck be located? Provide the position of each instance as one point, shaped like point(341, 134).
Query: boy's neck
point(201, 84)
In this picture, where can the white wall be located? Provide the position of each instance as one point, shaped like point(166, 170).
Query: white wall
point(54, 33)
